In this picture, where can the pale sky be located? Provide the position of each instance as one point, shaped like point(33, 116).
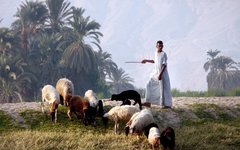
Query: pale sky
point(188, 28)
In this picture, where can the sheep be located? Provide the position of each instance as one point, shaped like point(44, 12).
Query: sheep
point(121, 113)
point(129, 94)
point(138, 122)
point(66, 89)
point(78, 104)
point(50, 95)
point(152, 133)
point(167, 138)
point(92, 98)
point(96, 106)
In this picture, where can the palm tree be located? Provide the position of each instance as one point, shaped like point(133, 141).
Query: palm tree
point(79, 55)
point(50, 56)
point(209, 65)
point(14, 81)
point(224, 74)
point(59, 13)
point(120, 81)
point(105, 64)
point(31, 16)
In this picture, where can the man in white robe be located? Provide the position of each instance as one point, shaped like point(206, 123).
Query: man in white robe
point(158, 89)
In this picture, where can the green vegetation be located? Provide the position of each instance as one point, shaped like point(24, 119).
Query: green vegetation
point(6, 123)
point(205, 133)
point(210, 93)
point(51, 40)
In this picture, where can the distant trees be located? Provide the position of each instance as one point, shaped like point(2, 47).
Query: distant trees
point(120, 81)
point(224, 74)
point(50, 40)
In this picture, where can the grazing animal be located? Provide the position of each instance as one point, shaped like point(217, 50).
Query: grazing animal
point(50, 95)
point(152, 133)
point(121, 113)
point(78, 104)
point(167, 138)
point(96, 106)
point(66, 89)
point(126, 102)
point(138, 122)
point(129, 94)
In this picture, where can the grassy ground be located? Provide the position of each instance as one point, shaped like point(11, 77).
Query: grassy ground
point(208, 132)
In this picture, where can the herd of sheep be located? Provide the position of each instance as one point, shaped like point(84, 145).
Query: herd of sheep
point(138, 120)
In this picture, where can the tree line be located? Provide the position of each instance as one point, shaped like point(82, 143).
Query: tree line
point(50, 40)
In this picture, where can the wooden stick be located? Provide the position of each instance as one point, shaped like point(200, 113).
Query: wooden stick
point(133, 62)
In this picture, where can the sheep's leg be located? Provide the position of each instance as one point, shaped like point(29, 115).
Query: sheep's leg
point(69, 114)
point(42, 106)
point(56, 116)
point(115, 127)
point(77, 115)
point(153, 147)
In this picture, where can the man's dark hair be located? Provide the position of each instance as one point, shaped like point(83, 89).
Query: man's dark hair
point(159, 42)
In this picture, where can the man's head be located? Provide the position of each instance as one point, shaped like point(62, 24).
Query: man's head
point(159, 46)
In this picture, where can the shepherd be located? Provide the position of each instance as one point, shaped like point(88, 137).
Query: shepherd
point(158, 89)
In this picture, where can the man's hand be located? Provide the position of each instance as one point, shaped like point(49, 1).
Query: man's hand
point(160, 77)
point(143, 61)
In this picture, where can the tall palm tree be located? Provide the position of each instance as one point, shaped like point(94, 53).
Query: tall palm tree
point(15, 83)
point(59, 13)
point(120, 81)
point(50, 55)
point(79, 54)
point(209, 65)
point(31, 16)
point(105, 64)
point(224, 74)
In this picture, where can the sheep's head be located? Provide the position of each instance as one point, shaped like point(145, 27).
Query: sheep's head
point(114, 97)
point(67, 99)
point(127, 128)
point(53, 109)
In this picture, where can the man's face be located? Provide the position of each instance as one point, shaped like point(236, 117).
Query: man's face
point(159, 46)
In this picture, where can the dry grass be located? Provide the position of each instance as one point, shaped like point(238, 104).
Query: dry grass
point(205, 133)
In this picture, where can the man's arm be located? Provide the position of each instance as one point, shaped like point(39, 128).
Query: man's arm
point(161, 73)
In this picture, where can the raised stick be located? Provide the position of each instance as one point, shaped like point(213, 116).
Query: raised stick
point(133, 62)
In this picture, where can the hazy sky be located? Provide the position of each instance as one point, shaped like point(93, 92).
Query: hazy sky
point(188, 28)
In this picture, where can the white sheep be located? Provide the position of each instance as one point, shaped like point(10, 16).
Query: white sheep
point(121, 113)
point(51, 96)
point(138, 122)
point(154, 137)
point(66, 90)
point(92, 98)
point(95, 105)
point(152, 133)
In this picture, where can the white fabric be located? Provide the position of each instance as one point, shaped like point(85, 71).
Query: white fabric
point(159, 91)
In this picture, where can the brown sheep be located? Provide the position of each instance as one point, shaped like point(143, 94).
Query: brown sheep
point(78, 104)
point(66, 89)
